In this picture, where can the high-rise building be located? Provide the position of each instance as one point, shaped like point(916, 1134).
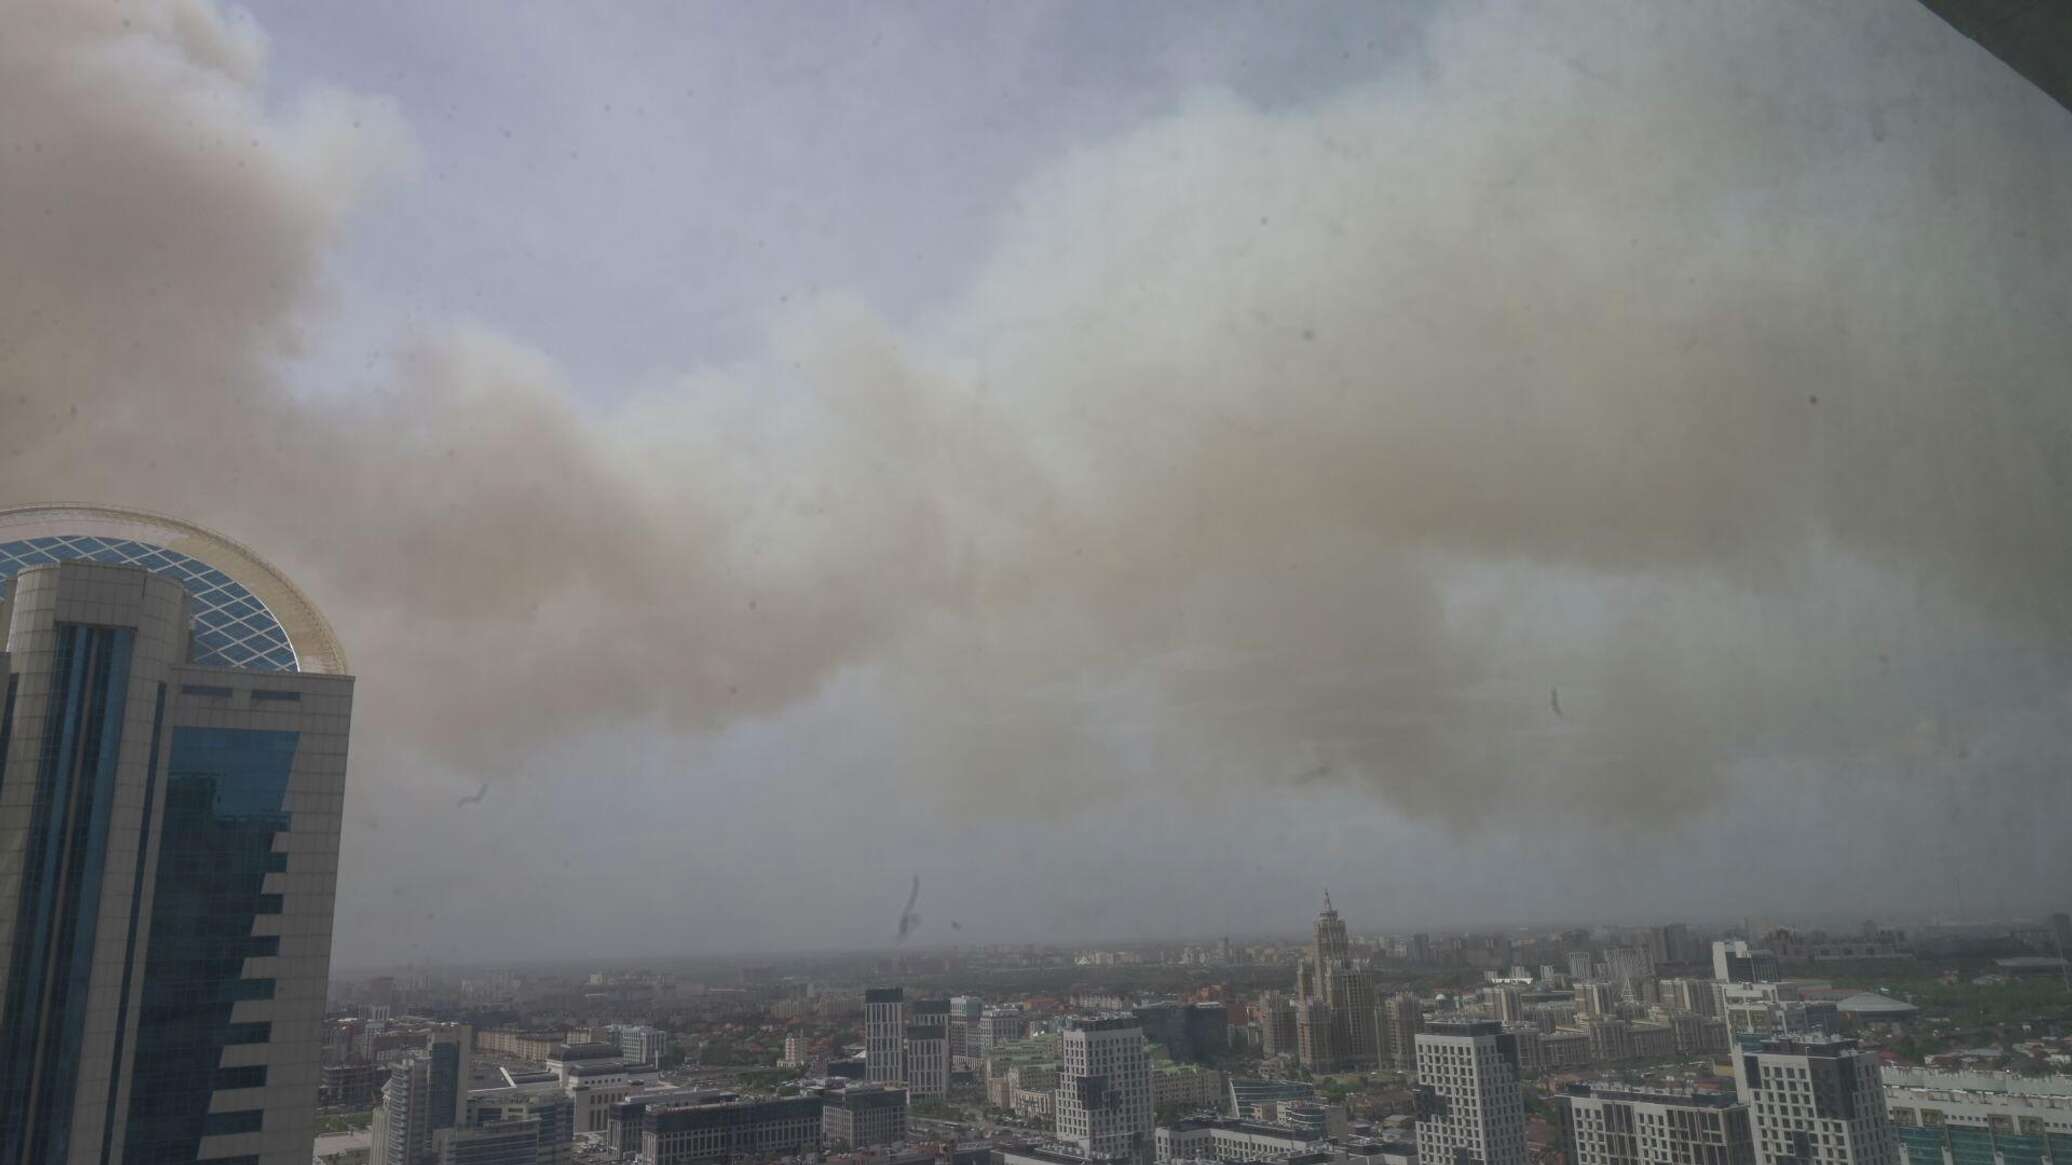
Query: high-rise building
point(1765, 1008)
point(1692, 995)
point(1470, 1107)
point(1314, 1046)
point(1815, 1100)
point(402, 1124)
point(1505, 1002)
point(1734, 961)
point(1002, 1024)
point(1629, 966)
point(641, 1043)
point(884, 1034)
point(1329, 946)
point(1669, 944)
point(1341, 1033)
point(1595, 997)
point(1403, 1017)
point(927, 1052)
point(450, 1049)
point(545, 1107)
point(966, 1013)
point(1278, 1034)
point(1580, 965)
point(173, 722)
point(1104, 1089)
point(1608, 1124)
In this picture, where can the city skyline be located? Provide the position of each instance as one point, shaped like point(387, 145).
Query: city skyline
point(1122, 468)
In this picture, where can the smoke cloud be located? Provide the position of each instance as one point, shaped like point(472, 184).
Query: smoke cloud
point(1700, 369)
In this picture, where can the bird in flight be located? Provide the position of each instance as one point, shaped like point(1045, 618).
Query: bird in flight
point(909, 921)
point(474, 798)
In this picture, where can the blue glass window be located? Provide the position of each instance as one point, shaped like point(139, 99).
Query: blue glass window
point(224, 792)
point(246, 1076)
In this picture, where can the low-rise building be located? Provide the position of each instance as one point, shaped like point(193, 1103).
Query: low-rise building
point(1607, 1124)
point(863, 1115)
point(690, 1134)
point(1228, 1139)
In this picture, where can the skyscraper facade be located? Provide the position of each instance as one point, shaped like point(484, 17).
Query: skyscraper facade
point(926, 1057)
point(1335, 999)
point(1104, 1089)
point(1401, 1019)
point(1815, 1099)
point(173, 725)
point(884, 1034)
point(1469, 1103)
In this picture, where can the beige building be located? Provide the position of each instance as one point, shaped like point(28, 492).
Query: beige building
point(172, 773)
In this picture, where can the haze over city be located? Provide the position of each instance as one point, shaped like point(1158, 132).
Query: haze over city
point(1125, 467)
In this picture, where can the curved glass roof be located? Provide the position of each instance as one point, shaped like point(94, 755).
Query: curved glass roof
point(232, 627)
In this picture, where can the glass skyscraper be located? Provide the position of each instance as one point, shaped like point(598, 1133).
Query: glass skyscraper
point(173, 724)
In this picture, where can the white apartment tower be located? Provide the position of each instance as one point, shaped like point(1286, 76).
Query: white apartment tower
point(1814, 1099)
point(1104, 1089)
point(884, 1034)
point(1470, 1109)
point(927, 1051)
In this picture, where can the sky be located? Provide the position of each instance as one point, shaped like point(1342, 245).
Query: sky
point(1130, 467)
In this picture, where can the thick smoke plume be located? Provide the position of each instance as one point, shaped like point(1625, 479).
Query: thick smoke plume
point(1703, 364)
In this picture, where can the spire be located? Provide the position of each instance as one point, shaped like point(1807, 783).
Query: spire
point(1327, 899)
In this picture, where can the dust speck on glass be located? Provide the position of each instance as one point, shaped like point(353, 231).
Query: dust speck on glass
point(232, 627)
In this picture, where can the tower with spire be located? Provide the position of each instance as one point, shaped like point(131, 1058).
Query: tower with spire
point(1338, 994)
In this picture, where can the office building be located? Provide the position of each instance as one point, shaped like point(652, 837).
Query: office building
point(1607, 1124)
point(1335, 999)
point(698, 1134)
point(1580, 966)
point(1670, 944)
point(641, 1044)
point(545, 1108)
point(1278, 1034)
point(1104, 1089)
point(449, 1050)
point(1003, 1024)
point(1507, 1004)
point(1403, 1018)
point(402, 1123)
point(1957, 1118)
point(173, 722)
point(927, 1052)
point(966, 1014)
point(863, 1115)
point(1763, 1008)
point(1814, 1100)
point(1734, 961)
point(884, 1034)
point(1469, 1103)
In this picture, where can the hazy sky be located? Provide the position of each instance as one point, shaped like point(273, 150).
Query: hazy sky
point(1129, 465)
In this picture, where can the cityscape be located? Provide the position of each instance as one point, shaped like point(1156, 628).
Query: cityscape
point(1344, 582)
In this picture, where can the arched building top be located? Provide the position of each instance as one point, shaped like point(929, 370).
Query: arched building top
point(246, 613)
